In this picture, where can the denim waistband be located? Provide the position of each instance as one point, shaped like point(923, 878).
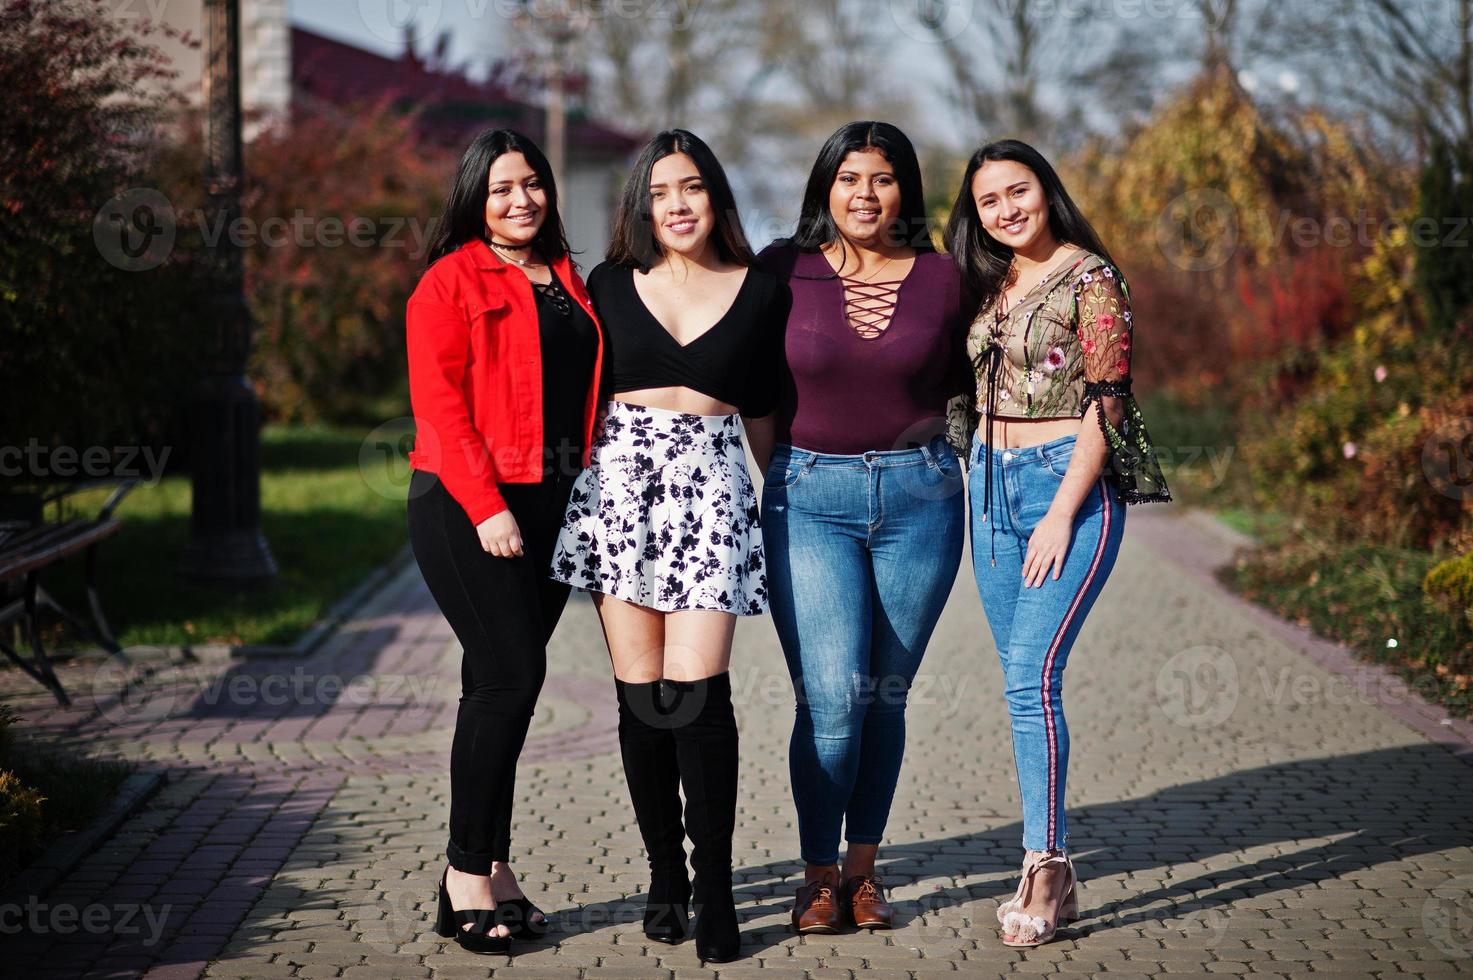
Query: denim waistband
point(928, 453)
point(1040, 453)
point(1005, 459)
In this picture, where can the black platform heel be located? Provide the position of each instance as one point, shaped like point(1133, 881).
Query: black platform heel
point(516, 914)
point(449, 922)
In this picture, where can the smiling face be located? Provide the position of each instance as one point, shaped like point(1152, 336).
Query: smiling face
point(864, 200)
point(680, 205)
point(1012, 205)
point(517, 203)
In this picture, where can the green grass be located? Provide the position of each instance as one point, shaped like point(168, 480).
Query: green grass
point(1366, 595)
point(1359, 593)
point(1268, 525)
point(1198, 447)
point(326, 525)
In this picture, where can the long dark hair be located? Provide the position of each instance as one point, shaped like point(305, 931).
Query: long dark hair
point(634, 243)
point(983, 260)
point(816, 226)
point(464, 217)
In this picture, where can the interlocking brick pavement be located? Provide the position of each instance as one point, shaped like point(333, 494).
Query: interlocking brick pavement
point(1236, 808)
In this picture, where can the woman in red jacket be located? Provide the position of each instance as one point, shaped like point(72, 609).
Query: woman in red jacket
point(504, 360)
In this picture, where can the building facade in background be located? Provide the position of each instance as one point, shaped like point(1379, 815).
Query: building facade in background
point(283, 65)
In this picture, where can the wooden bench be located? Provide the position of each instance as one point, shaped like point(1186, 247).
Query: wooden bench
point(29, 547)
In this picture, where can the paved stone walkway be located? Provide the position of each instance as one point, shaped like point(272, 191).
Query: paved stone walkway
point(1235, 809)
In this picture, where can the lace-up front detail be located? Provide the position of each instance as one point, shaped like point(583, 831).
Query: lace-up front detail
point(868, 888)
point(555, 294)
point(869, 306)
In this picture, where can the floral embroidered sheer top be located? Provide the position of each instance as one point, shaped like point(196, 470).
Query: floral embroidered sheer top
point(1066, 344)
point(1035, 359)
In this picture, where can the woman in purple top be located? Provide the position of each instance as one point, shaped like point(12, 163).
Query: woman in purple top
point(862, 509)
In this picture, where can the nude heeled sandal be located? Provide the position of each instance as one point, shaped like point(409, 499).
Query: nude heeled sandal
point(1024, 931)
point(1016, 902)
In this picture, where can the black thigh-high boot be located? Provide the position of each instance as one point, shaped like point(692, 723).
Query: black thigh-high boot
point(706, 746)
point(650, 767)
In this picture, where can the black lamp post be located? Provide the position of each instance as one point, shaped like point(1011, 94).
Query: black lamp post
point(559, 28)
point(226, 544)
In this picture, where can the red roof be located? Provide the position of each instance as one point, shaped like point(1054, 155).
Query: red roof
point(451, 106)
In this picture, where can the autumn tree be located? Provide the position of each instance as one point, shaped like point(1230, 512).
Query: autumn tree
point(96, 339)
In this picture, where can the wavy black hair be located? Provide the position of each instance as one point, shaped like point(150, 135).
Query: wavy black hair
point(983, 260)
point(634, 243)
point(816, 226)
point(464, 217)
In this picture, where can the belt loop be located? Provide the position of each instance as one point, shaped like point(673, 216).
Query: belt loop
point(927, 454)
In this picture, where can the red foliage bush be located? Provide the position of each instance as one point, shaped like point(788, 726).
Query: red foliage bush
point(90, 352)
point(337, 210)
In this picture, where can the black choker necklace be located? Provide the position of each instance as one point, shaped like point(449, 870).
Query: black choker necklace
point(510, 248)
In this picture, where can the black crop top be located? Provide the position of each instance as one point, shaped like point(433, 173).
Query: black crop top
point(737, 361)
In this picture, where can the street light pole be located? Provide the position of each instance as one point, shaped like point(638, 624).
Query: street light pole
point(559, 28)
point(226, 544)
point(557, 114)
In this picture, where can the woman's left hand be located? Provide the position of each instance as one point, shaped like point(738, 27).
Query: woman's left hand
point(1048, 546)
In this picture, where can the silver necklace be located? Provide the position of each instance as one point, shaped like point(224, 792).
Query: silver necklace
point(526, 263)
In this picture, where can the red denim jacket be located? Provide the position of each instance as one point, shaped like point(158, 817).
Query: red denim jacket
point(475, 375)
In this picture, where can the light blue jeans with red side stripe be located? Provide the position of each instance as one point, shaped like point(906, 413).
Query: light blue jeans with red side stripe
point(1036, 628)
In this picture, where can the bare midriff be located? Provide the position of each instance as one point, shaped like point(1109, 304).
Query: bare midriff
point(1022, 433)
point(680, 399)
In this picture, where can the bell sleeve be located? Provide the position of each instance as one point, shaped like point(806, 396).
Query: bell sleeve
point(1106, 338)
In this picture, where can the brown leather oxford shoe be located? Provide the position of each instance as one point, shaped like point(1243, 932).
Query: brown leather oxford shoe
point(863, 901)
point(817, 909)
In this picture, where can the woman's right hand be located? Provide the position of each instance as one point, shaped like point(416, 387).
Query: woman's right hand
point(500, 535)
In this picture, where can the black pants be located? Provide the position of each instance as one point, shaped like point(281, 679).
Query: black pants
point(503, 610)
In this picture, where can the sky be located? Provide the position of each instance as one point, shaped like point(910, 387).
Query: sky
point(475, 25)
point(378, 24)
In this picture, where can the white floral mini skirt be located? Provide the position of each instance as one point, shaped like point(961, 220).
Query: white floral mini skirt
point(665, 515)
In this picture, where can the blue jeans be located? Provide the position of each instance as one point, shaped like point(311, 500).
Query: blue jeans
point(1035, 628)
point(862, 553)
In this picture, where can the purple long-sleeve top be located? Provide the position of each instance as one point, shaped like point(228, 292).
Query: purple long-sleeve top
point(845, 394)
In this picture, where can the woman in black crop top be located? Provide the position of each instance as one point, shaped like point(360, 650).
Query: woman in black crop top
point(662, 526)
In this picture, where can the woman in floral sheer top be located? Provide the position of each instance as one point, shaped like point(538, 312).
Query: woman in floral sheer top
point(1061, 448)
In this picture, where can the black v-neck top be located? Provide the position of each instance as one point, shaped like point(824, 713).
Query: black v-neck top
point(738, 360)
point(569, 345)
